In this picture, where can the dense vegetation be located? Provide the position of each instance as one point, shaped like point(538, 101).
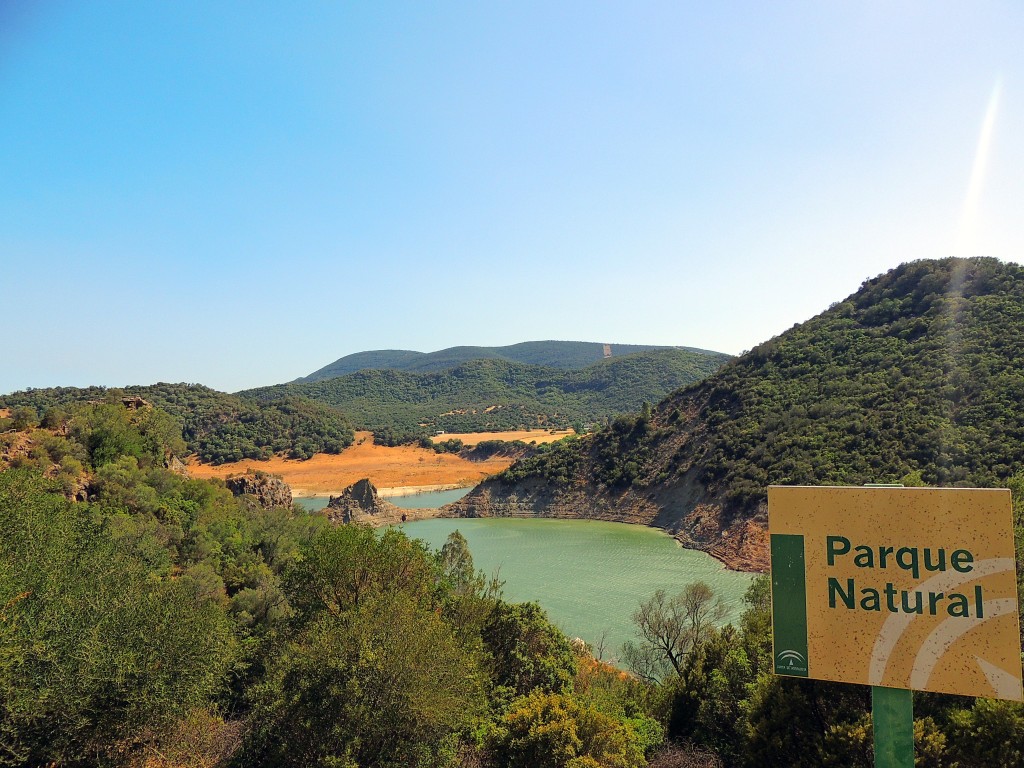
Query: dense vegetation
point(217, 426)
point(166, 622)
point(483, 395)
point(921, 371)
point(568, 355)
point(918, 375)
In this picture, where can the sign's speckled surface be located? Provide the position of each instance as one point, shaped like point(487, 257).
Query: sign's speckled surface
point(905, 587)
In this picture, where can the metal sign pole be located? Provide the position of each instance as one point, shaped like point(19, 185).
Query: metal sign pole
point(892, 713)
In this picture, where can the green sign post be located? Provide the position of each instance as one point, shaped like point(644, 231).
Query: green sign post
point(892, 714)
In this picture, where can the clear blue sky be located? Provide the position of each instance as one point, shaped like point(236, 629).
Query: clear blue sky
point(238, 193)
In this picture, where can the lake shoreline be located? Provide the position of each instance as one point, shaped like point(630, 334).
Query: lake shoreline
point(384, 493)
point(590, 575)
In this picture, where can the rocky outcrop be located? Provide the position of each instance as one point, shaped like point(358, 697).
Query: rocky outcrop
point(740, 543)
point(359, 503)
point(267, 490)
point(173, 464)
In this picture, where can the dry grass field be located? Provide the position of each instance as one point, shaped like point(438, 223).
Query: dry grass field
point(527, 436)
point(388, 468)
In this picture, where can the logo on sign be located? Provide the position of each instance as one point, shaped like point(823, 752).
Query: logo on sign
point(791, 661)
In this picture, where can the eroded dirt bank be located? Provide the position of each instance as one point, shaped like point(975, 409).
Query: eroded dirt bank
point(741, 544)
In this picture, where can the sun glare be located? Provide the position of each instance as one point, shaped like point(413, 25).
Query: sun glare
point(967, 236)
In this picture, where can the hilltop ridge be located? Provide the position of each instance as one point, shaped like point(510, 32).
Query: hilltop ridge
point(918, 376)
point(486, 394)
point(568, 355)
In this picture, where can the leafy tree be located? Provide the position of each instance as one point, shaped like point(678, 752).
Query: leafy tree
point(456, 561)
point(670, 629)
point(23, 418)
point(548, 729)
point(988, 734)
point(527, 651)
point(96, 651)
point(346, 565)
point(383, 684)
point(468, 596)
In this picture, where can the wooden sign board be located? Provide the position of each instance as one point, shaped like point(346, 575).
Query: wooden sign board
point(899, 587)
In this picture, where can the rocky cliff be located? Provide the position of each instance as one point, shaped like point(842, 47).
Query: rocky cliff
point(359, 503)
point(267, 490)
point(740, 543)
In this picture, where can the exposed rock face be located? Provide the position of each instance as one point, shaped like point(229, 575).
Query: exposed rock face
point(740, 543)
point(267, 490)
point(175, 465)
point(359, 503)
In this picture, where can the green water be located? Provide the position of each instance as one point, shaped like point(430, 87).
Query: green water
point(589, 576)
point(427, 500)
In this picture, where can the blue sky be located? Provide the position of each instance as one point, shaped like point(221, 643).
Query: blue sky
point(239, 193)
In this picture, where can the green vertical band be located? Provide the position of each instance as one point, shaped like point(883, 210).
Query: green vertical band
point(789, 605)
point(892, 712)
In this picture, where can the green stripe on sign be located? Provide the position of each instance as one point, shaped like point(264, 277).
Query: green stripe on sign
point(789, 605)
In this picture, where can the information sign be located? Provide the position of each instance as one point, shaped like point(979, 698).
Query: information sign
point(899, 587)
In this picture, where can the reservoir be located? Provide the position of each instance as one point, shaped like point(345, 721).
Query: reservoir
point(589, 576)
point(425, 500)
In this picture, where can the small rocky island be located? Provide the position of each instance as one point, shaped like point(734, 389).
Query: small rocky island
point(360, 503)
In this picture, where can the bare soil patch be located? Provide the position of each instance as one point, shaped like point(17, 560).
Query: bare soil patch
point(390, 468)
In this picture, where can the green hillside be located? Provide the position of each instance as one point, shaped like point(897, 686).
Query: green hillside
point(217, 426)
point(492, 394)
point(568, 355)
point(918, 375)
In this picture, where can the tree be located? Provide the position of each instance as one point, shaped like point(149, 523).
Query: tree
point(989, 734)
point(384, 684)
point(95, 649)
point(456, 561)
point(670, 629)
point(24, 417)
point(555, 731)
point(348, 564)
point(527, 651)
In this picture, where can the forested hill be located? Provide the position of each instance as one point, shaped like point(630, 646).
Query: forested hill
point(217, 426)
point(568, 355)
point(493, 394)
point(918, 376)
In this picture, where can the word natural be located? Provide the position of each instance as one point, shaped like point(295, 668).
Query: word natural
point(910, 559)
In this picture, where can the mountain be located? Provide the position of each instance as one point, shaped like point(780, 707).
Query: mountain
point(917, 376)
point(217, 426)
point(496, 394)
point(569, 355)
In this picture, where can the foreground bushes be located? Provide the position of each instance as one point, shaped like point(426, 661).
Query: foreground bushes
point(97, 651)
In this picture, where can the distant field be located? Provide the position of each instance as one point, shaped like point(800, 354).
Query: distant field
point(399, 467)
point(527, 436)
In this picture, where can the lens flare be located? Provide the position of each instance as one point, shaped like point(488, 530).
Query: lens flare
point(967, 233)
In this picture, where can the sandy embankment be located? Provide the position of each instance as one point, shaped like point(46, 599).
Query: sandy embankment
point(395, 471)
